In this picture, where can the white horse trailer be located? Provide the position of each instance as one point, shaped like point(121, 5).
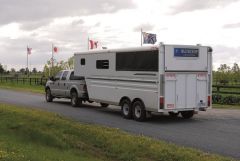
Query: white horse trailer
point(164, 78)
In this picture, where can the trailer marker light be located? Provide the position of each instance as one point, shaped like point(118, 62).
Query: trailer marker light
point(161, 102)
point(209, 101)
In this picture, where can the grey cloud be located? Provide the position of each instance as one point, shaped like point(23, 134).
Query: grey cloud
point(225, 55)
point(77, 22)
point(233, 25)
point(144, 27)
point(35, 10)
point(192, 5)
point(32, 25)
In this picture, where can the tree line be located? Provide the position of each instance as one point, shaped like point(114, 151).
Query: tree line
point(47, 71)
point(227, 75)
point(224, 75)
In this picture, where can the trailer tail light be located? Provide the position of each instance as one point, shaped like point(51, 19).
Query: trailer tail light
point(161, 99)
point(209, 101)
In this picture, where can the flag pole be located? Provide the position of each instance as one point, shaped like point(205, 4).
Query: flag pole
point(141, 36)
point(52, 59)
point(27, 61)
point(88, 43)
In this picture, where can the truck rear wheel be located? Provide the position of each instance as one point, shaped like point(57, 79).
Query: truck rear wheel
point(126, 109)
point(173, 114)
point(48, 95)
point(139, 112)
point(75, 101)
point(187, 114)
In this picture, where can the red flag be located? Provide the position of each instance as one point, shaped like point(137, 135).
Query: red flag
point(29, 50)
point(93, 44)
point(55, 49)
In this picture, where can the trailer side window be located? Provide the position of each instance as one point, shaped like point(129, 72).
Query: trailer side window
point(82, 61)
point(137, 61)
point(102, 64)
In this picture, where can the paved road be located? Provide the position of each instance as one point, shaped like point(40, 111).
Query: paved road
point(215, 131)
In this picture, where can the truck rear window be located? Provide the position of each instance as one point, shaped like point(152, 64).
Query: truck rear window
point(73, 77)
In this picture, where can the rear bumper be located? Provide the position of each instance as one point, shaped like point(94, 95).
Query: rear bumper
point(196, 109)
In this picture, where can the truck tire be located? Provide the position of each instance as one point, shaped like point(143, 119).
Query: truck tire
point(75, 101)
point(139, 112)
point(104, 104)
point(187, 114)
point(48, 95)
point(173, 114)
point(126, 109)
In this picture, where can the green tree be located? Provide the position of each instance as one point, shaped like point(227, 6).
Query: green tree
point(70, 63)
point(48, 70)
point(34, 70)
point(236, 73)
point(235, 68)
point(22, 70)
point(13, 70)
point(224, 74)
point(1, 69)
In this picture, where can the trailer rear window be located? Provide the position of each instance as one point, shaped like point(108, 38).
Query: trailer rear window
point(102, 64)
point(137, 61)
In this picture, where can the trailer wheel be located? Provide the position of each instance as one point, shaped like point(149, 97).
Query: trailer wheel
point(187, 114)
point(173, 114)
point(75, 101)
point(139, 112)
point(104, 104)
point(48, 95)
point(126, 108)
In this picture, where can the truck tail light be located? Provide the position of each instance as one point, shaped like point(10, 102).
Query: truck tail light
point(209, 101)
point(161, 99)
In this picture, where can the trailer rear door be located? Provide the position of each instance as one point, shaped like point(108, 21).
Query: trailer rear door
point(186, 77)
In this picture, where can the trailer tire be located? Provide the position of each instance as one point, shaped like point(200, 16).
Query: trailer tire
point(139, 112)
point(75, 101)
point(187, 114)
point(126, 108)
point(172, 114)
point(104, 104)
point(48, 95)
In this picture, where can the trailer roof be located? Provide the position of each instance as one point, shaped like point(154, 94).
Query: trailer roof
point(142, 48)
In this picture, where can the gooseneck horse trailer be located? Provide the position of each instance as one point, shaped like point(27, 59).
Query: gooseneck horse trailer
point(163, 78)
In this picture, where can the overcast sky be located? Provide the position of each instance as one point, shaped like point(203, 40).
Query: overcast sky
point(115, 24)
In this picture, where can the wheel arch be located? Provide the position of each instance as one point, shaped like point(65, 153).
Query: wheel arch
point(47, 87)
point(73, 89)
point(138, 99)
point(123, 98)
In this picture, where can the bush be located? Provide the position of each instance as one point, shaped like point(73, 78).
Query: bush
point(225, 99)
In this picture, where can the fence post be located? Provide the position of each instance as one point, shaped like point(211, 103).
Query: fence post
point(218, 89)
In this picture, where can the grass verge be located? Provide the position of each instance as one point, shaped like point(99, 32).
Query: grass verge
point(22, 87)
point(220, 106)
point(28, 134)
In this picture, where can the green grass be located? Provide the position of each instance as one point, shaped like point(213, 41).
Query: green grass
point(22, 87)
point(28, 134)
point(220, 106)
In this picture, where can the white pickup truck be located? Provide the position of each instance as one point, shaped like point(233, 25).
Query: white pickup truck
point(66, 85)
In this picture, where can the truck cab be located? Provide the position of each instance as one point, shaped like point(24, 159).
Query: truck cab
point(66, 85)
